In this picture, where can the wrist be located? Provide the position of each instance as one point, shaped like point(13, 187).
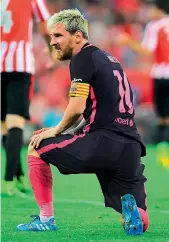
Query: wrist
point(58, 130)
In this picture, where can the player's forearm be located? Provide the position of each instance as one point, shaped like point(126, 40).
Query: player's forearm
point(42, 28)
point(69, 118)
point(138, 48)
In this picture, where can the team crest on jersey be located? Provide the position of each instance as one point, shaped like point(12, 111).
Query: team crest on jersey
point(73, 87)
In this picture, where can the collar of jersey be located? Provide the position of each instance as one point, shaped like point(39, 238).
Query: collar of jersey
point(85, 45)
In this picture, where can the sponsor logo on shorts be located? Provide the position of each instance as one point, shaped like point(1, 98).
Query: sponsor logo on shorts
point(124, 121)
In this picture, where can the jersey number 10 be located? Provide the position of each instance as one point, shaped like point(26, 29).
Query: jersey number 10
point(124, 93)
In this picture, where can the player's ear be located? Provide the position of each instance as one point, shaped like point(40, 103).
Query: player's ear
point(78, 37)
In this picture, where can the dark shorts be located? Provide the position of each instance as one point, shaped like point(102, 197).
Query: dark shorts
point(161, 97)
point(116, 164)
point(16, 92)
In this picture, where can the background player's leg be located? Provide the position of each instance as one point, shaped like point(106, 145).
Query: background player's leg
point(4, 84)
point(159, 98)
point(166, 133)
point(162, 108)
point(4, 132)
point(16, 114)
point(9, 139)
point(14, 144)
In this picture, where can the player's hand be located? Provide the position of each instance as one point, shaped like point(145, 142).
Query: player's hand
point(40, 131)
point(52, 58)
point(122, 39)
point(37, 138)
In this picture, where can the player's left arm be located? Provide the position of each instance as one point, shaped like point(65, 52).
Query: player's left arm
point(137, 46)
point(82, 70)
point(41, 14)
point(72, 113)
point(148, 44)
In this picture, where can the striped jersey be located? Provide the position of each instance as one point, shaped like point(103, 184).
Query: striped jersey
point(156, 39)
point(16, 33)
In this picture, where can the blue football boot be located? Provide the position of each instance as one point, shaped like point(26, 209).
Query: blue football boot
point(37, 225)
point(133, 224)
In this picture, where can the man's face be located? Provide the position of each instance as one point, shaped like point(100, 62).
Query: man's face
point(62, 41)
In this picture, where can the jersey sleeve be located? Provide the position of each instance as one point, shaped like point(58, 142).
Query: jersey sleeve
point(81, 71)
point(150, 37)
point(40, 10)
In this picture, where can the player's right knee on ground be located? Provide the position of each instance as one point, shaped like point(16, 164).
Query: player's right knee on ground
point(32, 151)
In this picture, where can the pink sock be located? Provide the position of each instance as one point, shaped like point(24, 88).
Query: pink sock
point(144, 216)
point(40, 176)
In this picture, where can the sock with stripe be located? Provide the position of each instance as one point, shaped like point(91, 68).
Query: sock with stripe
point(40, 176)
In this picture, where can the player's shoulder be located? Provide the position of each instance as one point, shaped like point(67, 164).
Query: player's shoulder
point(93, 57)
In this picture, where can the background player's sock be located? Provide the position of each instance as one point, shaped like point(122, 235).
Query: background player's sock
point(19, 171)
point(41, 180)
point(4, 137)
point(166, 133)
point(14, 143)
point(160, 133)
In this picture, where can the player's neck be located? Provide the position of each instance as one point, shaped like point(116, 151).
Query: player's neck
point(78, 47)
point(160, 15)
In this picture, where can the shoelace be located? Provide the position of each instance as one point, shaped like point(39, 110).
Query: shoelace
point(35, 217)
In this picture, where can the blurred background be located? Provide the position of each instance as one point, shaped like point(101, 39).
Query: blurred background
point(107, 19)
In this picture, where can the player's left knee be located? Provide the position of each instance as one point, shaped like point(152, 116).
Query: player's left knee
point(32, 151)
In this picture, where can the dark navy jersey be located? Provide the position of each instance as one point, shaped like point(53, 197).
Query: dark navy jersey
point(99, 76)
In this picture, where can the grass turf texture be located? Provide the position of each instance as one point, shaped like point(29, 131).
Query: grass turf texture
point(79, 212)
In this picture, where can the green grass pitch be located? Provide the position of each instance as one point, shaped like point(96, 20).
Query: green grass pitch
point(80, 214)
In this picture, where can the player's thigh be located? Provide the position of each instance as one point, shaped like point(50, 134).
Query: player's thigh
point(53, 151)
point(4, 84)
point(18, 94)
point(85, 153)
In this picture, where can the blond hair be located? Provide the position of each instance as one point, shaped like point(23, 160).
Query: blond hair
point(72, 19)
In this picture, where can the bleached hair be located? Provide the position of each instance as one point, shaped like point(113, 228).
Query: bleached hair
point(72, 19)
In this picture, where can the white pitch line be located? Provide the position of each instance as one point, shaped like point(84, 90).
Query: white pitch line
point(95, 203)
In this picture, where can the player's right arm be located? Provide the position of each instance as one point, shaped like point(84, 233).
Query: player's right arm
point(41, 14)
